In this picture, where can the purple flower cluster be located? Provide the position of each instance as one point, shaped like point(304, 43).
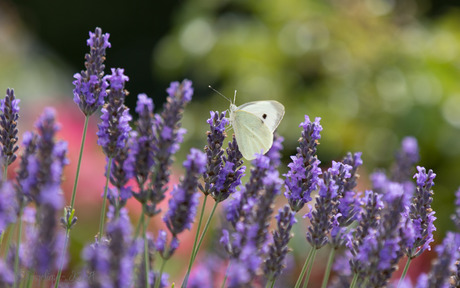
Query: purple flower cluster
point(167, 135)
point(223, 172)
point(184, 200)
point(421, 215)
point(445, 266)
point(278, 249)
point(8, 127)
point(381, 247)
point(43, 183)
point(406, 159)
point(90, 85)
point(8, 205)
point(142, 147)
point(114, 129)
point(303, 176)
point(29, 143)
point(250, 214)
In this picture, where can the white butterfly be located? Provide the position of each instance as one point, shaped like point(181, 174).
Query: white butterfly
point(254, 124)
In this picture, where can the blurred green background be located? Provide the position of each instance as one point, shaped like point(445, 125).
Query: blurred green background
point(373, 70)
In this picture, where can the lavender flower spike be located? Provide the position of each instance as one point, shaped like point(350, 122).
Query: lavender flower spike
point(184, 200)
point(421, 214)
point(168, 134)
point(406, 159)
point(302, 178)
point(90, 85)
point(114, 128)
point(279, 249)
point(43, 184)
point(8, 132)
point(142, 146)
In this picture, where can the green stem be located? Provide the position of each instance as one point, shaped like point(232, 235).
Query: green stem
point(226, 274)
point(102, 219)
point(310, 266)
point(5, 173)
point(74, 191)
point(354, 281)
point(160, 274)
point(184, 283)
point(16, 257)
point(328, 268)
point(9, 232)
point(146, 248)
point(139, 224)
point(304, 268)
point(403, 275)
point(61, 264)
point(270, 283)
point(72, 203)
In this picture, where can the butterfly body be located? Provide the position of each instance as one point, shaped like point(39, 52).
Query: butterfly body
point(254, 124)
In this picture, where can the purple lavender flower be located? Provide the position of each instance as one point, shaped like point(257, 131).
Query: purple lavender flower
point(381, 250)
point(29, 142)
point(114, 128)
point(302, 177)
point(142, 144)
point(444, 267)
point(121, 258)
point(6, 274)
point(90, 85)
point(406, 159)
point(239, 206)
point(8, 205)
point(230, 175)
point(167, 136)
point(223, 173)
point(321, 217)
point(184, 200)
point(278, 250)
point(368, 221)
point(8, 122)
point(214, 152)
point(43, 184)
point(97, 259)
point(421, 214)
point(251, 217)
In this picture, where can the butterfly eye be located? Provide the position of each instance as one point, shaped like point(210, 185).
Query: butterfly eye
point(264, 116)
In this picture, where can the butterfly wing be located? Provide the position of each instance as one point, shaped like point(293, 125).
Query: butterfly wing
point(270, 112)
point(252, 134)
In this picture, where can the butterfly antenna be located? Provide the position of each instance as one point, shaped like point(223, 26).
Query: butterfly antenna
point(234, 97)
point(220, 94)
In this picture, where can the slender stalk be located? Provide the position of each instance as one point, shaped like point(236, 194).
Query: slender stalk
point(310, 266)
point(184, 283)
point(270, 283)
point(61, 261)
point(304, 268)
point(5, 173)
point(16, 257)
point(226, 274)
point(72, 203)
point(9, 232)
point(328, 268)
point(354, 281)
point(160, 274)
point(30, 279)
point(206, 226)
point(403, 275)
point(83, 138)
point(146, 248)
point(102, 219)
point(139, 224)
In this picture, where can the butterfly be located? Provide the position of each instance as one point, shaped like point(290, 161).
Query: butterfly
point(254, 124)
